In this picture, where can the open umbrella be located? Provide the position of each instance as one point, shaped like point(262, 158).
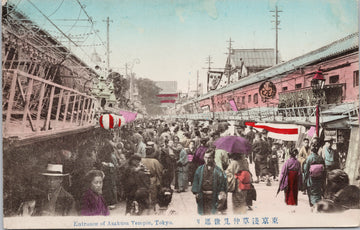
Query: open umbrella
point(233, 144)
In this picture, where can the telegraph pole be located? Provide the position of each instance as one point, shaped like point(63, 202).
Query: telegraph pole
point(277, 23)
point(209, 62)
point(107, 43)
point(228, 67)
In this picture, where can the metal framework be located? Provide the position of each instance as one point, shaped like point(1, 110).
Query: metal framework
point(270, 114)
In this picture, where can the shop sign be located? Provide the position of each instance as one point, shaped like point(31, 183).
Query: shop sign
point(330, 134)
point(267, 90)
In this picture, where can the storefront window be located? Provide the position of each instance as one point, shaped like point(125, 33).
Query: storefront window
point(334, 79)
point(356, 78)
point(255, 98)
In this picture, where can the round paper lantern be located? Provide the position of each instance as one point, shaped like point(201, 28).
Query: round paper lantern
point(110, 121)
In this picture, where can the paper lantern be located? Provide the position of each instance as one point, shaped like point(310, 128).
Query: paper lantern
point(110, 121)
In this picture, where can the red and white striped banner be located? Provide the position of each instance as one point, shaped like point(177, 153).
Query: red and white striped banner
point(286, 132)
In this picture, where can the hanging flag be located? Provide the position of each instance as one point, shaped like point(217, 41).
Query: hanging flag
point(233, 105)
point(214, 78)
point(284, 132)
point(167, 101)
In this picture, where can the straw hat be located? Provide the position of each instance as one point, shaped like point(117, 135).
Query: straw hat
point(54, 170)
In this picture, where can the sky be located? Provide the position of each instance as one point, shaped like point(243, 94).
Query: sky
point(172, 39)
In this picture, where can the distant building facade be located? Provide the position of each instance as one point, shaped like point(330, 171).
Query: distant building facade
point(168, 95)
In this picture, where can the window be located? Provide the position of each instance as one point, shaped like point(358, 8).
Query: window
point(249, 98)
point(356, 78)
point(284, 88)
point(255, 98)
point(243, 99)
point(298, 86)
point(334, 79)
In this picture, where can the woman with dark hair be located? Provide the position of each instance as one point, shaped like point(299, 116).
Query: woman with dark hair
point(109, 166)
point(93, 203)
point(314, 175)
point(239, 180)
point(341, 195)
point(291, 179)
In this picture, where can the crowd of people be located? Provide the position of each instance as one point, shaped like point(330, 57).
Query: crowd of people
point(146, 161)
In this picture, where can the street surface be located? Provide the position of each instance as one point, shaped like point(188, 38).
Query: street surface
point(266, 202)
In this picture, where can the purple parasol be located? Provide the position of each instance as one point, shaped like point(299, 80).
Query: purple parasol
point(233, 144)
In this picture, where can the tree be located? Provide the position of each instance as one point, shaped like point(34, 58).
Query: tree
point(147, 92)
point(121, 86)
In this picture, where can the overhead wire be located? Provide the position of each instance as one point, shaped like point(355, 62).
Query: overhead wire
point(91, 21)
point(76, 21)
point(56, 9)
point(62, 32)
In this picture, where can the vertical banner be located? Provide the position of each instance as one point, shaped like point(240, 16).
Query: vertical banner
point(233, 105)
point(214, 78)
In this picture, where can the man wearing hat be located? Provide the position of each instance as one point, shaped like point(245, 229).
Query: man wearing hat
point(156, 172)
point(56, 201)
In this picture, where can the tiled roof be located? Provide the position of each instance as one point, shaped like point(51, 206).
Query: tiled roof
point(253, 57)
point(346, 44)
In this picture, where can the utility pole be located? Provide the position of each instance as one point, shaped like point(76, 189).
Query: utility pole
point(209, 62)
point(197, 84)
point(277, 23)
point(131, 82)
point(228, 66)
point(107, 42)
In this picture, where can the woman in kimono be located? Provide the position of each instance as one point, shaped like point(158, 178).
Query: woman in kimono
point(291, 179)
point(314, 176)
point(93, 203)
point(238, 178)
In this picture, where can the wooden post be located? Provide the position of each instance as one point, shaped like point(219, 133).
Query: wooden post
point(12, 61)
point(66, 106)
point(42, 92)
point(92, 111)
point(33, 69)
point(10, 102)
point(77, 111)
point(82, 112)
point(73, 108)
point(27, 102)
point(50, 108)
point(88, 110)
point(47, 71)
point(5, 59)
point(59, 105)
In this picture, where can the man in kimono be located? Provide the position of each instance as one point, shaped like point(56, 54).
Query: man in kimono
point(209, 185)
point(156, 172)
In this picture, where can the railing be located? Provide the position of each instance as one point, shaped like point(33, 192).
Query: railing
point(35, 106)
point(260, 114)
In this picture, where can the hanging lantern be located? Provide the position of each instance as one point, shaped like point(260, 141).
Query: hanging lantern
point(110, 121)
point(318, 81)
